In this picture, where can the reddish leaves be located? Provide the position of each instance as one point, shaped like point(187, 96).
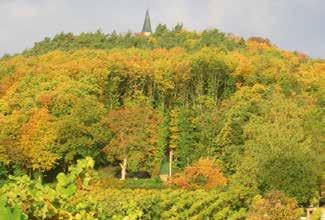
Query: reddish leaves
point(202, 174)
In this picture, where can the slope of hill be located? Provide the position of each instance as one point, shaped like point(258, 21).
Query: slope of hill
point(132, 100)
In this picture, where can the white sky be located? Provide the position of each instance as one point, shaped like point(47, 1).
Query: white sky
point(290, 24)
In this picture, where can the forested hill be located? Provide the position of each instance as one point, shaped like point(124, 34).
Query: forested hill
point(161, 38)
point(132, 100)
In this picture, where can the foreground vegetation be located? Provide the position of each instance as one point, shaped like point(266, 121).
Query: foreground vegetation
point(132, 103)
point(80, 195)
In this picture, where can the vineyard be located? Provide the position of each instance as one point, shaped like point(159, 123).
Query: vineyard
point(77, 195)
point(169, 204)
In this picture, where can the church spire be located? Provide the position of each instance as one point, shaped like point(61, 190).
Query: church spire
point(147, 25)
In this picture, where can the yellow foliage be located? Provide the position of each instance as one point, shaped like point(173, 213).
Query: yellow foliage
point(36, 141)
point(242, 64)
point(255, 46)
point(174, 131)
point(274, 206)
point(312, 74)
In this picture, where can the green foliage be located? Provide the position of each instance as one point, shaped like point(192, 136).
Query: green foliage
point(161, 38)
point(230, 140)
point(186, 141)
point(274, 206)
point(3, 174)
point(281, 158)
point(43, 201)
point(168, 203)
point(84, 201)
point(8, 213)
point(155, 183)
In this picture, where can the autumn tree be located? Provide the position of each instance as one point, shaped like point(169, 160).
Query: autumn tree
point(214, 90)
point(37, 142)
point(134, 142)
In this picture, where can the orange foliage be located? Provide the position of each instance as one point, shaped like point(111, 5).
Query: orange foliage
point(45, 99)
point(36, 139)
point(202, 174)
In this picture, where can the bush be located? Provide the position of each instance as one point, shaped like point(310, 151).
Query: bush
point(111, 183)
point(8, 213)
point(202, 174)
point(155, 183)
point(26, 197)
point(274, 206)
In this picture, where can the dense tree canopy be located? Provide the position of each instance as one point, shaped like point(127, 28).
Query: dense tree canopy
point(254, 108)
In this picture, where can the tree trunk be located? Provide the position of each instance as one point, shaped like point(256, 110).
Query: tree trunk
point(170, 162)
point(30, 171)
point(123, 169)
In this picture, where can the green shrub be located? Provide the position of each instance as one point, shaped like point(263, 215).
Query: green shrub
point(111, 183)
point(275, 205)
point(8, 213)
point(154, 183)
point(40, 201)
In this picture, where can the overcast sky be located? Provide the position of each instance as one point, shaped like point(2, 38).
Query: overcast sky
point(290, 24)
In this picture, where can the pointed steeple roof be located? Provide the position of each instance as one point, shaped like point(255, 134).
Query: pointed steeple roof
point(147, 24)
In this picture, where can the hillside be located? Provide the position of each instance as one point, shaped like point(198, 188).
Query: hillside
point(132, 102)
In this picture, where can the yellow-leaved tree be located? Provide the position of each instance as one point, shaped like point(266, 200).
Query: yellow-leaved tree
point(36, 142)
